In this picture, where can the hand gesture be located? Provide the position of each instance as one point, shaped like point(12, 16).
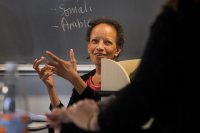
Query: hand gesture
point(45, 73)
point(65, 69)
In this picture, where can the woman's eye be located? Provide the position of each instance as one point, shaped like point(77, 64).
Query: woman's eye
point(94, 41)
point(108, 43)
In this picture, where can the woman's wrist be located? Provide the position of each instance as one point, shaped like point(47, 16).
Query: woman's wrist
point(74, 76)
point(79, 84)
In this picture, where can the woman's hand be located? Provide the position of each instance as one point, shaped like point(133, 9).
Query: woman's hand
point(65, 69)
point(45, 73)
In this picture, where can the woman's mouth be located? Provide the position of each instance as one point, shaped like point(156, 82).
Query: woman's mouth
point(100, 55)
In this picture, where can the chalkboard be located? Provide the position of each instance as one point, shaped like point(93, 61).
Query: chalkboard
point(30, 27)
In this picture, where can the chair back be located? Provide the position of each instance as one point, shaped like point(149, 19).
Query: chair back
point(115, 75)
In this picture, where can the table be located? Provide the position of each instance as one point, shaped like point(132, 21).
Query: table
point(36, 126)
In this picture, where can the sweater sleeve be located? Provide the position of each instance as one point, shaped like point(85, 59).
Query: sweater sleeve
point(59, 106)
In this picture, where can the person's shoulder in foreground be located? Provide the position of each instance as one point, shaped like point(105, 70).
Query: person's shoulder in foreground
point(158, 90)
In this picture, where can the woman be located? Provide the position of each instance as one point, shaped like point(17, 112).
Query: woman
point(105, 40)
point(163, 97)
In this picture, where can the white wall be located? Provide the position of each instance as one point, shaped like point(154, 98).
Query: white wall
point(40, 105)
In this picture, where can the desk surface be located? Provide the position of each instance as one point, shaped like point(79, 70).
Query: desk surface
point(35, 126)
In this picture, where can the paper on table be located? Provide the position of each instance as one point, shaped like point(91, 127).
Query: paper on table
point(32, 116)
point(37, 118)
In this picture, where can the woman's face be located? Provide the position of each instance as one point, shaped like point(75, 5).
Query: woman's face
point(103, 43)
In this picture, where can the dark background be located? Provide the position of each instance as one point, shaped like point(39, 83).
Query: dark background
point(30, 27)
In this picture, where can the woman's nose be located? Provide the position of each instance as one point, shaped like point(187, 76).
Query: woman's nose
point(100, 45)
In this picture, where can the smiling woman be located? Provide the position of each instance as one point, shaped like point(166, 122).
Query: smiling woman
point(103, 43)
point(105, 38)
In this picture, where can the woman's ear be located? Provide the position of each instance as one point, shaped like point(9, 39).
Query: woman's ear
point(118, 52)
point(88, 48)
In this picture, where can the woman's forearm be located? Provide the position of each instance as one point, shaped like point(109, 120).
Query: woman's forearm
point(79, 84)
point(53, 95)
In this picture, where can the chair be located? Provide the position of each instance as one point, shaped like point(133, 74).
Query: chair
point(130, 65)
point(115, 75)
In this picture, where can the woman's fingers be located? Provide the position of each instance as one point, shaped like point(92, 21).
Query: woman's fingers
point(50, 63)
point(48, 68)
point(46, 75)
point(54, 57)
point(72, 59)
point(47, 71)
point(36, 64)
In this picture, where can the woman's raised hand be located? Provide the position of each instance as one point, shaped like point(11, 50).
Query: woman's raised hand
point(63, 68)
point(45, 73)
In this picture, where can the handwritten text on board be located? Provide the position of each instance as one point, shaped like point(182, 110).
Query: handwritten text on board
point(80, 8)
